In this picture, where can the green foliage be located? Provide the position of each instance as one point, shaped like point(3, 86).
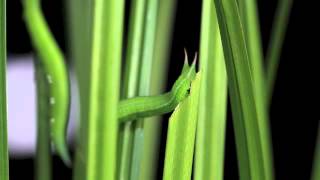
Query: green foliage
point(248, 108)
point(279, 27)
point(230, 44)
point(147, 56)
point(209, 155)
point(52, 62)
point(181, 136)
point(316, 162)
point(4, 159)
point(80, 16)
point(130, 84)
point(153, 127)
point(104, 89)
point(43, 151)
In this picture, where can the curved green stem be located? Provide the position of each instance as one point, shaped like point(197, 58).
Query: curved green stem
point(55, 69)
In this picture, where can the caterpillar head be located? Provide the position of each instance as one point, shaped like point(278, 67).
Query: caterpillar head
point(181, 87)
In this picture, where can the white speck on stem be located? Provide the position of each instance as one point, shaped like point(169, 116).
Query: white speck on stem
point(52, 120)
point(49, 78)
point(52, 101)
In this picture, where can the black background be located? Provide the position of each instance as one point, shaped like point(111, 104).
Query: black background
point(295, 107)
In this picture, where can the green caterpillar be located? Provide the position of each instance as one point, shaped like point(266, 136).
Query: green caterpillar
point(52, 61)
point(140, 107)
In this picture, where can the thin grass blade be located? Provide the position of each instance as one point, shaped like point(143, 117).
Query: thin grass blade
point(4, 162)
point(248, 108)
point(131, 82)
point(104, 89)
point(153, 127)
point(278, 32)
point(210, 142)
point(150, 24)
point(79, 43)
point(316, 162)
point(79, 28)
point(251, 28)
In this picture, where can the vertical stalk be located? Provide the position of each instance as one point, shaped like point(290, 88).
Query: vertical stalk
point(43, 169)
point(316, 161)
point(104, 89)
point(4, 159)
point(253, 41)
point(248, 105)
point(209, 155)
point(251, 26)
point(279, 27)
point(130, 85)
point(80, 31)
point(144, 82)
point(152, 127)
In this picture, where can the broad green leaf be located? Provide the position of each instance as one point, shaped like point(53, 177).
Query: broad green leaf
point(248, 106)
point(210, 142)
point(104, 89)
point(181, 136)
point(4, 159)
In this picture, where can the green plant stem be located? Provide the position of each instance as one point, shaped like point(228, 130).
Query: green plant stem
point(250, 20)
point(131, 81)
point(104, 89)
point(210, 142)
point(43, 169)
point(152, 127)
point(4, 158)
point(248, 108)
point(279, 27)
point(150, 23)
point(251, 28)
point(80, 31)
point(316, 162)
